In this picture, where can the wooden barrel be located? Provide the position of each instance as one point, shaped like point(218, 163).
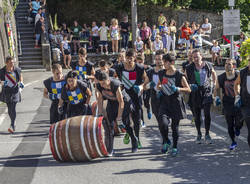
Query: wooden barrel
point(80, 138)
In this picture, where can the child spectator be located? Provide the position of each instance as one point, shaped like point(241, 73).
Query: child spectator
point(125, 27)
point(157, 44)
point(155, 31)
point(138, 45)
point(197, 37)
point(65, 49)
point(76, 29)
point(172, 37)
point(138, 30)
point(114, 34)
point(164, 35)
point(215, 51)
point(103, 31)
point(185, 35)
point(95, 36)
point(146, 36)
point(161, 20)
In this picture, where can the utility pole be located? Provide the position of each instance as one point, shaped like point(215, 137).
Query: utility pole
point(231, 5)
point(134, 19)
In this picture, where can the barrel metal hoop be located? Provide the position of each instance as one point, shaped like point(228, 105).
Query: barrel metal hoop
point(82, 139)
point(51, 142)
point(92, 153)
point(67, 139)
point(55, 142)
point(95, 138)
point(102, 145)
point(60, 140)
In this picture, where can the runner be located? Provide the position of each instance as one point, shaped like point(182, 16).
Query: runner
point(232, 114)
point(171, 83)
point(152, 74)
point(52, 90)
point(202, 78)
point(242, 95)
point(118, 107)
point(84, 69)
point(77, 94)
point(132, 76)
point(105, 68)
point(12, 80)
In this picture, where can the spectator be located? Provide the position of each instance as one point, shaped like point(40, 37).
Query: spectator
point(76, 29)
point(103, 31)
point(95, 36)
point(157, 44)
point(243, 37)
point(206, 27)
point(65, 29)
point(84, 35)
point(39, 29)
point(38, 15)
point(161, 20)
point(215, 51)
point(155, 31)
point(138, 30)
point(164, 35)
point(43, 12)
point(172, 37)
point(185, 35)
point(114, 34)
point(65, 49)
point(194, 30)
point(146, 36)
point(197, 37)
point(34, 6)
point(124, 27)
point(59, 38)
point(53, 39)
point(138, 45)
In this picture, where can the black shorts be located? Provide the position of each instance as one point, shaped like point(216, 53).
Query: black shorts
point(66, 52)
point(146, 41)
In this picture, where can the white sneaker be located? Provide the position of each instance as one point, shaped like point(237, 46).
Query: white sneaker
point(106, 53)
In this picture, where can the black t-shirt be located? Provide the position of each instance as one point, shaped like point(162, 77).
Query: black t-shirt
point(77, 96)
point(38, 28)
point(111, 73)
point(110, 94)
point(168, 80)
point(184, 65)
point(124, 25)
point(54, 87)
point(132, 77)
point(82, 70)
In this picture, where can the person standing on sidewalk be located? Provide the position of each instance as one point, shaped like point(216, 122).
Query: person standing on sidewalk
point(124, 29)
point(12, 81)
point(232, 114)
point(242, 95)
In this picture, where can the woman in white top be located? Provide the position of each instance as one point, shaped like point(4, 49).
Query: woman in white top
point(171, 37)
point(114, 34)
point(157, 44)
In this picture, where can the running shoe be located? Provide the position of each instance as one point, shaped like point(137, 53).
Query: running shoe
point(143, 124)
point(11, 129)
point(134, 149)
point(198, 139)
point(149, 115)
point(208, 139)
point(237, 132)
point(174, 152)
point(233, 146)
point(165, 147)
point(126, 139)
point(139, 144)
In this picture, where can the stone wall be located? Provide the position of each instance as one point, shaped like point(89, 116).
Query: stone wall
point(4, 46)
point(150, 14)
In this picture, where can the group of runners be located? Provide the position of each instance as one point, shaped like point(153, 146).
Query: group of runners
point(129, 83)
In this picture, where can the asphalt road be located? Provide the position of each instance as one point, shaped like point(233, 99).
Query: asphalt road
point(25, 157)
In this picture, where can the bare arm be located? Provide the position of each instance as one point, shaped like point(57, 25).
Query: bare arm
point(89, 94)
point(99, 102)
point(185, 86)
point(214, 76)
point(45, 93)
point(237, 86)
point(217, 87)
point(145, 79)
point(119, 97)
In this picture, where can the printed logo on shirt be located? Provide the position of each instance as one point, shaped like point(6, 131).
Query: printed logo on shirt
point(166, 85)
point(75, 97)
point(128, 79)
point(229, 88)
point(108, 94)
point(57, 88)
point(11, 79)
point(81, 72)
